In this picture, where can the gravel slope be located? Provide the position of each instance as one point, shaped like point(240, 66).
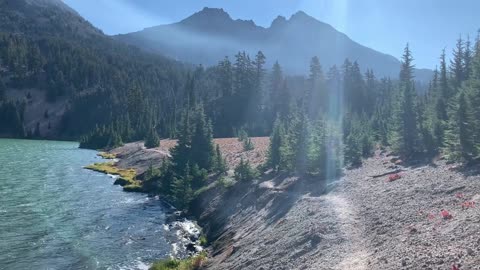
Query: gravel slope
point(403, 225)
point(361, 223)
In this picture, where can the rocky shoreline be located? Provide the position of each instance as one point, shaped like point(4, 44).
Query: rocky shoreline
point(184, 233)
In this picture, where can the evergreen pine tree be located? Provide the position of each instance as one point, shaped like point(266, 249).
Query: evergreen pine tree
point(181, 152)
point(335, 94)
point(3, 89)
point(224, 114)
point(460, 135)
point(472, 96)
point(276, 87)
point(182, 189)
point(317, 152)
point(225, 77)
point(248, 145)
point(274, 150)
point(353, 151)
point(465, 128)
point(152, 140)
point(220, 162)
point(256, 106)
point(406, 136)
point(315, 95)
point(202, 149)
point(467, 58)
point(371, 93)
point(259, 75)
point(457, 65)
point(445, 90)
point(301, 146)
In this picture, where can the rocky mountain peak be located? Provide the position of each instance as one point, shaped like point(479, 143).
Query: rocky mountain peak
point(209, 14)
point(279, 22)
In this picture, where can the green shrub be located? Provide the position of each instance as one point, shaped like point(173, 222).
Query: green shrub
point(226, 182)
point(203, 240)
point(248, 144)
point(242, 135)
point(245, 172)
point(166, 264)
point(192, 263)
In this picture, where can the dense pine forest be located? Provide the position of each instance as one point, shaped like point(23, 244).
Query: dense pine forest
point(114, 94)
point(341, 110)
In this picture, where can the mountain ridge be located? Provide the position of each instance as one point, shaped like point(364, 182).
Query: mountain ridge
point(214, 34)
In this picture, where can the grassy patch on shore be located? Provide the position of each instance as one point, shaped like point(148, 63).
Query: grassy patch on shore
point(192, 263)
point(109, 167)
point(106, 155)
point(126, 175)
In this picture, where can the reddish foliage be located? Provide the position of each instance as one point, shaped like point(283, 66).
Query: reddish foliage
point(455, 267)
point(445, 214)
point(394, 177)
point(431, 216)
point(466, 205)
point(459, 195)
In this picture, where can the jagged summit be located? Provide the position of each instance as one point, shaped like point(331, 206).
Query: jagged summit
point(301, 15)
point(219, 18)
point(215, 17)
point(209, 14)
point(278, 22)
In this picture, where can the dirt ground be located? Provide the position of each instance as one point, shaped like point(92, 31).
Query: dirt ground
point(135, 155)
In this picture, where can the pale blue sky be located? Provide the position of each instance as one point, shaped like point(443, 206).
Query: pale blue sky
point(384, 25)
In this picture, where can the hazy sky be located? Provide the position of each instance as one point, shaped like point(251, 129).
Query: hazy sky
point(384, 25)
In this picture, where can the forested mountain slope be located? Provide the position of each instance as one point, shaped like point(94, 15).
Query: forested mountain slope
point(50, 55)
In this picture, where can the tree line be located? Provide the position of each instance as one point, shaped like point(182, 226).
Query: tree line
point(121, 94)
point(360, 112)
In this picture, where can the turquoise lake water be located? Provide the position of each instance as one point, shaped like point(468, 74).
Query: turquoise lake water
point(56, 215)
